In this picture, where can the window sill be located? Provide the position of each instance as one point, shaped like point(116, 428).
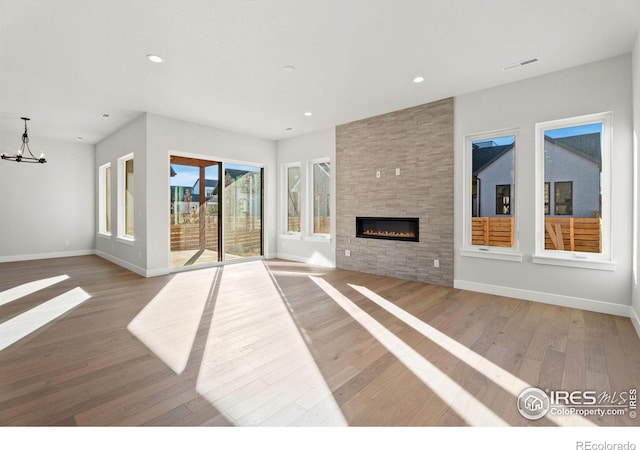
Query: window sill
point(129, 240)
point(291, 236)
point(568, 261)
point(492, 253)
point(105, 235)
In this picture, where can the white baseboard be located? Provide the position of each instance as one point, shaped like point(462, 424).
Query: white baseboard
point(302, 259)
point(543, 297)
point(132, 267)
point(13, 258)
point(635, 319)
point(156, 272)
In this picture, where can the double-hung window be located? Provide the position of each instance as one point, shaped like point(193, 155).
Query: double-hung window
point(292, 174)
point(573, 192)
point(489, 195)
point(126, 198)
point(320, 176)
point(104, 199)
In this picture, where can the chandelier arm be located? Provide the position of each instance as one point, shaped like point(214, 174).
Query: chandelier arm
point(29, 150)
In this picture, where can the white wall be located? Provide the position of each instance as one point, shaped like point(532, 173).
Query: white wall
point(598, 87)
point(46, 209)
point(132, 138)
point(170, 136)
point(636, 137)
point(302, 149)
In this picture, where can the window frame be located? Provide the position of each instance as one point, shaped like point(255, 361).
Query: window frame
point(487, 251)
point(121, 199)
point(285, 200)
point(311, 198)
point(587, 260)
point(105, 200)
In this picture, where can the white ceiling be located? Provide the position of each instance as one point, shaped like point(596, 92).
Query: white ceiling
point(65, 62)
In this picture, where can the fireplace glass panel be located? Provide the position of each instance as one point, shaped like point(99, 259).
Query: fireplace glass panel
point(394, 228)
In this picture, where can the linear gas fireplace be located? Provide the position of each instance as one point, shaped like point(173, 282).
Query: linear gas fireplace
point(394, 228)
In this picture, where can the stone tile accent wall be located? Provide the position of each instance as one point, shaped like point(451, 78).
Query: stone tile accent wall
point(418, 141)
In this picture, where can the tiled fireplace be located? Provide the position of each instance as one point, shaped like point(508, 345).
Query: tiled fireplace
point(389, 168)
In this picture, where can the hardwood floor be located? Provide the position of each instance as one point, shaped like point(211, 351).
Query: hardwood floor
point(279, 343)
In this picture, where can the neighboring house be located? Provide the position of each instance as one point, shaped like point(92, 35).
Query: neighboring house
point(209, 188)
point(572, 177)
point(241, 194)
point(492, 179)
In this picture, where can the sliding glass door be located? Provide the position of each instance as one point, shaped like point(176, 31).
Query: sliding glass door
point(200, 204)
point(242, 211)
point(194, 211)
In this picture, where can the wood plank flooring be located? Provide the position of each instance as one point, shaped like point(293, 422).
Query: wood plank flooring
point(280, 343)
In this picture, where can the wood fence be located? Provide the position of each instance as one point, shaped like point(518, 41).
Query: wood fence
point(243, 235)
point(561, 233)
point(495, 231)
point(573, 234)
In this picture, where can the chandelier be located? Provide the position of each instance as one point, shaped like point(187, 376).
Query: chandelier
point(20, 156)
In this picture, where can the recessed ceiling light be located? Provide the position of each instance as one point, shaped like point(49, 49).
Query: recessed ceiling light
point(288, 68)
point(154, 58)
point(418, 79)
point(308, 114)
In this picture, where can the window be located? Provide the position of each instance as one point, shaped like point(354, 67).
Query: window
point(573, 191)
point(104, 200)
point(503, 199)
point(293, 183)
point(563, 200)
point(489, 213)
point(125, 197)
point(321, 182)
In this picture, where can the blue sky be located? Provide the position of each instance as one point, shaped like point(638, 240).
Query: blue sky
point(556, 133)
point(506, 140)
point(573, 131)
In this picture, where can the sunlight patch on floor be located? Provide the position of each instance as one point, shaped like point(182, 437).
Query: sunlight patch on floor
point(474, 412)
point(256, 368)
point(290, 273)
point(181, 258)
point(169, 322)
point(23, 290)
point(506, 380)
point(26, 323)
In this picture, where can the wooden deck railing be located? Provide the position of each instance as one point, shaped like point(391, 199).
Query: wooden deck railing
point(561, 233)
